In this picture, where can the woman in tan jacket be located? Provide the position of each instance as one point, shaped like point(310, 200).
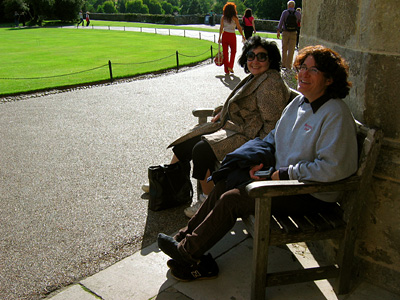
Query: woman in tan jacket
point(250, 111)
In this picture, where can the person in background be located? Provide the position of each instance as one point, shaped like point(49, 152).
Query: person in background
point(248, 23)
point(80, 15)
point(229, 23)
point(314, 140)
point(16, 19)
point(298, 28)
point(212, 18)
point(87, 19)
point(288, 26)
point(23, 18)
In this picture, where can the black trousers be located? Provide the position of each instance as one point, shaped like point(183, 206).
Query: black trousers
point(200, 152)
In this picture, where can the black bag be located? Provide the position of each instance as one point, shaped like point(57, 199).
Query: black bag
point(169, 185)
point(291, 21)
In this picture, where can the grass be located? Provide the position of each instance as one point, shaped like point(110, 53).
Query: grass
point(39, 58)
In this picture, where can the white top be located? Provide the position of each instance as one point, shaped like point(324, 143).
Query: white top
point(229, 26)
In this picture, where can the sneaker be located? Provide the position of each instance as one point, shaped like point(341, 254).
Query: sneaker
point(169, 246)
point(207, 268)
point(146, 188)
point(191, 210)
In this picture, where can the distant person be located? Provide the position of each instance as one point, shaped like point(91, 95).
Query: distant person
point(81, 19)
point(248, 23)
point(23, 18)
point(288, 26)
point(87, 19)
point(227, 35)
point(16, 19)
point(212, 18)
point(298, 29)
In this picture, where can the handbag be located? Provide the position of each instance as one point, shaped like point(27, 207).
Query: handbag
point(219, 58)
point(169, 186)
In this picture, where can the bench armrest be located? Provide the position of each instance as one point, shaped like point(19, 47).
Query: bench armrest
point(202, 114)
point(274, 188)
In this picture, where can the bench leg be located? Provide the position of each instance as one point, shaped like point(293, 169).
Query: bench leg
point(260, 248)
point(346, 255)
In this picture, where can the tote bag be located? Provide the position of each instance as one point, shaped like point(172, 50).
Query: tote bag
point(169, 186)
point(219, 58)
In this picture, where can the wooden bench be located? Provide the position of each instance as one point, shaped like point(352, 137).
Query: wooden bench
point(204, 113)
point(340, 224)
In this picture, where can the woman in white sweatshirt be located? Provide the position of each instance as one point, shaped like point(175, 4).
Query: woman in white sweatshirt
point(314, 140)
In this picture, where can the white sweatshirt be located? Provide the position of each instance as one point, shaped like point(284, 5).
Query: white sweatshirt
point(315, 142)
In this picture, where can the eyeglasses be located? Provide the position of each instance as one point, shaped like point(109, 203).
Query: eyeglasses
point(312, 70)
point(261, 57)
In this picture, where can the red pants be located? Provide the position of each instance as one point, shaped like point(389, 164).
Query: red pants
point(229, 40)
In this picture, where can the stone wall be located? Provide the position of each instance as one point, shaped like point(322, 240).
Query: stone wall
point(367, 34)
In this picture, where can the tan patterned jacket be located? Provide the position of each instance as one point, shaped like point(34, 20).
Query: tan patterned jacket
point(250, 111)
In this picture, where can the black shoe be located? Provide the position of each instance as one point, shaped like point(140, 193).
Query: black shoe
point(173, 264)
point(169, 246)
point(207, 268)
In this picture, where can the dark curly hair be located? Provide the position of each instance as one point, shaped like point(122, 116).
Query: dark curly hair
point(229, 11)
point(274, 55)
point(332, 65)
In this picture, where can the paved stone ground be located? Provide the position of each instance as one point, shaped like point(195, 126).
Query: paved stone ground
point(71, 167)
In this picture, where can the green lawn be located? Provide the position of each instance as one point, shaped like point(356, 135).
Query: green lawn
point(41, 58)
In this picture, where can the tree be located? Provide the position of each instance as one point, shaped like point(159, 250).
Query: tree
point(154, 7)
point(272, 9)
point(66, 10)
point(136, 6)
point(109, 7)
point(194, 8)
point(39, 9)
point(174, 2)
point(121, 6)
point(167, 7)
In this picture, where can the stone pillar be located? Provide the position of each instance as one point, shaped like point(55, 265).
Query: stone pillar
point(366, 33)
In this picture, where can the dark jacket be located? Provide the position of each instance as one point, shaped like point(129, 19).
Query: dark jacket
point(236, 165)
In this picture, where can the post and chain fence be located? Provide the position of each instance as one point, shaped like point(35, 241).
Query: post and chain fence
point(109, 65)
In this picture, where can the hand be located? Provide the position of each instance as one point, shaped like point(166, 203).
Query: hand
point(275, 175)
point(219, 41)
point(278, 34)
point(255, 169)
point(216, 117)
point(243, 39)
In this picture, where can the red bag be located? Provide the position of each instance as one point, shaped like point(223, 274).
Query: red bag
point(219, 58)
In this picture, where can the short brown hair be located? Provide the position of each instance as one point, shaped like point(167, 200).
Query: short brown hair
point(332, 65)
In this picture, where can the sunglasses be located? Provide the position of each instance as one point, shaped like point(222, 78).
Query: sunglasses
point(261, 57)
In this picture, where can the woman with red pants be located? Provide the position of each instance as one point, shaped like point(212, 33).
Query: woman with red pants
point(229, 23)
